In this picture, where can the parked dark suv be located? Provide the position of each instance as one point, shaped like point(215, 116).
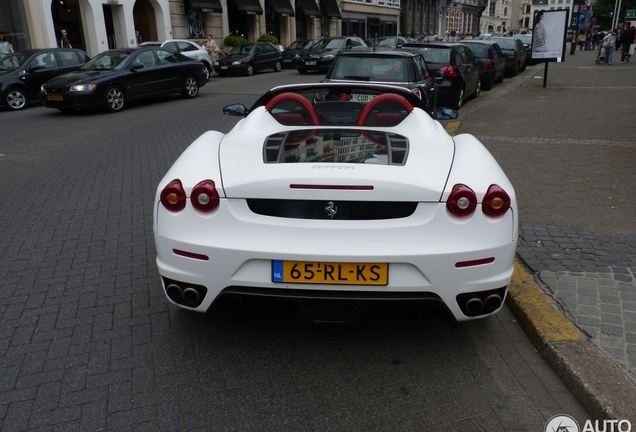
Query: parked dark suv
point(23, 73)
point(322, 54)
point(459, 76)
point(402, 68)
point(490, 59)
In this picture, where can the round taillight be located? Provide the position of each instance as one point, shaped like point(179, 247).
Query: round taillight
point(496, 201)
point(173, 196)
point(204, 196)
point(462, 200)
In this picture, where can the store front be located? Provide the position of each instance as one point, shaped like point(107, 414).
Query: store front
point(13, 24)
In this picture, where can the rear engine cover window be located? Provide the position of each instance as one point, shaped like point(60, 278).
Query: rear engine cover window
point(336, 146)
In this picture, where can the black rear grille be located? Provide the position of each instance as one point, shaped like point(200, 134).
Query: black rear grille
point(322, 209)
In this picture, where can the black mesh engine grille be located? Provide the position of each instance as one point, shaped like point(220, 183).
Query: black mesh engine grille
point(340, 210)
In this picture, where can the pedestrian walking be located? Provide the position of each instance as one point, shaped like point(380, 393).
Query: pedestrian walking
point(608, 45)
point(627, 39)
point(213, 48)
point(580, 41)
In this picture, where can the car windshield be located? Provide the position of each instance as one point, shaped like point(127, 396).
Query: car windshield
point(506, 43)
point(301, 44)
point(13, 61)
point(478, 50)
point(242, 49)
point(526, 39)
point(107, 60)
point(386, 69)
point(435, 55)
point(388, 41)
point(329, 43)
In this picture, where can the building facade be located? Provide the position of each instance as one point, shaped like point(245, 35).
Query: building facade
point(98, 25)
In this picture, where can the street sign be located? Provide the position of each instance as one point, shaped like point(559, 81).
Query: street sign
point(630, 14)
point(582, 18)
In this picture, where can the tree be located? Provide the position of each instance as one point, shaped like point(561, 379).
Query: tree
point(602, 10)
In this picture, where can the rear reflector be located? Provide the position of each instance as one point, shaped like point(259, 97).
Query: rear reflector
point(331, 187)
point(191, 255)
point(474, 262)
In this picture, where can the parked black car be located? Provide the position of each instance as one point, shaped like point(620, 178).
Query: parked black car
point(490, 59)
point(291, 54)
point(322, 54)
point(388, 42)
point(514, 52)
point(114, 77)
point(249, 58)
point(459, 76)
point(402, 68)
point(526, 40)
point(23, 73)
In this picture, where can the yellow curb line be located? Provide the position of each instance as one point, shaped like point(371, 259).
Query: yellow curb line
point(538, 314)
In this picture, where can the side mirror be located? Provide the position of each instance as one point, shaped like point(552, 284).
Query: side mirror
point(238, 110)
point(443, 113)
point(137, 67)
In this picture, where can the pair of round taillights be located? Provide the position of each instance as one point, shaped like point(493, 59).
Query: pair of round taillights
point(204, 196)
point(463, 201)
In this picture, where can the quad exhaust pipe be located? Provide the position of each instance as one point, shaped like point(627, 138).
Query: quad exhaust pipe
point(183, 294)
point(481, 303)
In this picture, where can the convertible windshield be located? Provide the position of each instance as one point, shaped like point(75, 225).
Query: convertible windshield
point(12, 61)
point(107, 60)
point(386, 69)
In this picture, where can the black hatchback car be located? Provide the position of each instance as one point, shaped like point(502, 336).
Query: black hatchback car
point(490, 59)
point(515, 54)
point(459, 75)
point(249, 58)
point(23, 73)
point(402, 68)
point(322, 54)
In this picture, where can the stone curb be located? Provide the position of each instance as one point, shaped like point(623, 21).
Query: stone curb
point(598, 384)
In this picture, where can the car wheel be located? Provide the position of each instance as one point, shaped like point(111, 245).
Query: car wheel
point(523, 67)
point(15, 99)
point(478, 90)
point(490, 84)
point(515, 71)
point(278, 66)
point(114, 99)
point(459, 101)
point(250, 70)
point(208, 73)
point(190, 87)
point(501, 78)
point(301, 71)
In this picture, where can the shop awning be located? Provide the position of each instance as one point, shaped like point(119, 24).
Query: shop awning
point(281, 8)
point(332, 9)
point(309, 8)
point(249, 7)
point(206, 6)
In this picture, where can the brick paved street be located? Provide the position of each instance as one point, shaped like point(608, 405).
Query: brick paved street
point(88, 341)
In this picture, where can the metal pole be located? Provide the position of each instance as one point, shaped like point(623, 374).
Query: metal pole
point(617, 11)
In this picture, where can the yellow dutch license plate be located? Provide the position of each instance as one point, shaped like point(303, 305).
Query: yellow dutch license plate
point(55, 98)
point(330, 273)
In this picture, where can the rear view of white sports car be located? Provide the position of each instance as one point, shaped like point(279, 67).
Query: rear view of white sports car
point(337, 192)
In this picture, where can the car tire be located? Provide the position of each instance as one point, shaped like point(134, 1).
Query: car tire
point(114, 99)
point(515, 71)
point(190, 87)
point(490, 84)
point(523, 68)
point(477, 90)
point(250, 70)
point(459, 99)
point(208, 73)
point(15, 99)
point(278, 66)
point(301, 71)
point(501, 78)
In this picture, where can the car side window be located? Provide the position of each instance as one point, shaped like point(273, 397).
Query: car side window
point(146, 59)
point(270, 48)
point(45, 60)
point(167, 57)
point(420, 69)
point(186, 46)
point(172, 46)
point(259, 49)
point(69, 58)
point(348, 44)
